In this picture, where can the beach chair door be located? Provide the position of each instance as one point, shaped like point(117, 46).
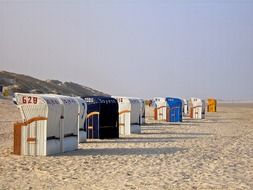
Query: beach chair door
point(162, 111)
point(92, 125)
point(172, 115)
point(29, 137)
point(196, 113)
point(160, 114)
point(167, 114)
point(191, 112)
point(17, 139)
point(178, 114)
point(124, 122)
point(155, 114)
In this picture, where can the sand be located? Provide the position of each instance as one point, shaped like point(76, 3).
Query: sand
point(215, 153)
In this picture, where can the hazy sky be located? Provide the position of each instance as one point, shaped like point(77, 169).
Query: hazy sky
point(142, 48)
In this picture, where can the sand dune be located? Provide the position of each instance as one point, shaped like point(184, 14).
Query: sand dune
point(27, 84)
point(215, 153)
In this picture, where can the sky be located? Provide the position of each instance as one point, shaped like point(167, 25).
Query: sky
point(138, 48)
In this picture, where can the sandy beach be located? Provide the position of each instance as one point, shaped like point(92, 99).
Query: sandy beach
point(215, 153)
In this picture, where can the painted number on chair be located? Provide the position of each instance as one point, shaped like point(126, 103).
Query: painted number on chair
point(29, 100)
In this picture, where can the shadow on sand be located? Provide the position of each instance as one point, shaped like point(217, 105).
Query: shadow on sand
point(163, 128)
point(132, 140)
point(199, 121)
point(167, 124)
point(187, 121)
point(156, 124)
point(145, 138)
point(122, 151)
point(173, 133)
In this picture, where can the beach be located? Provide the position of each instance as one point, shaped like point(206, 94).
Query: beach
point(214, 153)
